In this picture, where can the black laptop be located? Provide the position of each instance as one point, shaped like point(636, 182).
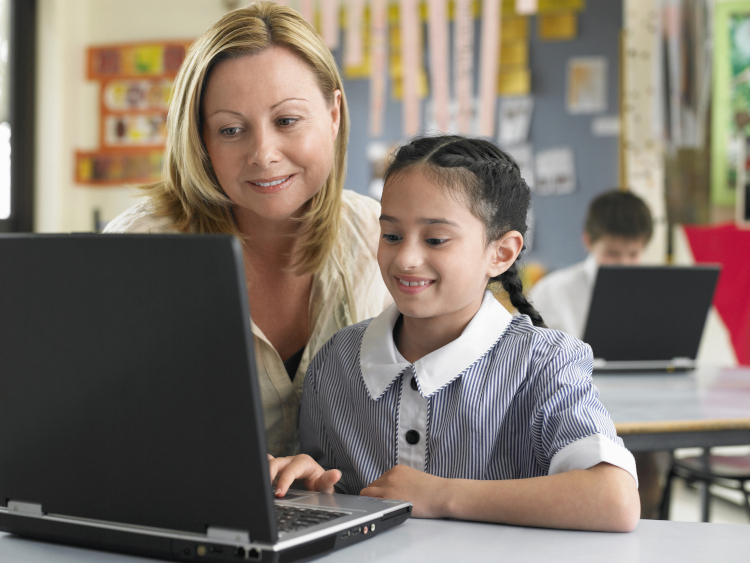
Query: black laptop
point(646, 318)
point(131, 418)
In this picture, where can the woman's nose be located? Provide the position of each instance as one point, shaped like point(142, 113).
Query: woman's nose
point(263, 151)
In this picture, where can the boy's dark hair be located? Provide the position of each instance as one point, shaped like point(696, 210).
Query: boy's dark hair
point(618, 213)
point(488, 180)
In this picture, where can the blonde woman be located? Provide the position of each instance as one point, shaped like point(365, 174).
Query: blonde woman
point(257, 139)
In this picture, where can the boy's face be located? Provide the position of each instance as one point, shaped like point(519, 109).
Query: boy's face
point(610, 250)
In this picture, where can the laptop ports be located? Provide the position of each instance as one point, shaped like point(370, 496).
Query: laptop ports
point(239, 552)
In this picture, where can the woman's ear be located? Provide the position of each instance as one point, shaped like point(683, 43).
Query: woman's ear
point(503, 252)
point(336, 113)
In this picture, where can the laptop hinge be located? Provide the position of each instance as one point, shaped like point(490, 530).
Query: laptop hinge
point(227, 534)
point(25, 508)
point(682, 363)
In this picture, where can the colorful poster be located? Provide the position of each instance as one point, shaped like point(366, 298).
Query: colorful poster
point(136, 81)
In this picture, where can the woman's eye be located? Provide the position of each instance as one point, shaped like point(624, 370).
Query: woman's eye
point(391, 238)
point(286, 121)
point(435, 241)
point(229, 131)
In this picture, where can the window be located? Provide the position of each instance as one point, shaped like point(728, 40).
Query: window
point(17, 99)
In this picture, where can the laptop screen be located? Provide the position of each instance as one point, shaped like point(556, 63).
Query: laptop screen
point(128, 382)
point(649, 313)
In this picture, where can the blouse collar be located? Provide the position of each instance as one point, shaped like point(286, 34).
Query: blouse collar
point(380, 365)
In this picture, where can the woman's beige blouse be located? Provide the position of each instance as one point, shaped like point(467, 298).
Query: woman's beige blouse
point(348, 289)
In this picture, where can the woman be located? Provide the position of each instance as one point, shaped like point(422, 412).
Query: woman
point(257, 139)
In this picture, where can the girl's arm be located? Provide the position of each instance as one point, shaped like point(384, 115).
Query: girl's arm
point(602, 498)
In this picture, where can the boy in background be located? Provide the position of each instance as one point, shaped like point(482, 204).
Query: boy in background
point(617, 229)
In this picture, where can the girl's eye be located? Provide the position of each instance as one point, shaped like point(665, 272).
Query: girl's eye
point(435, 241)
point(391, 238)
point(286, 121)
point(229, 131)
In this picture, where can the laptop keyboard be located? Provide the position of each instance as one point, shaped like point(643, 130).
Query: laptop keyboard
point(291, 518)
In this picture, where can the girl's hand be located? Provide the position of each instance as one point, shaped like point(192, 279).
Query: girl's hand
point(285, 470)
point(426, 492)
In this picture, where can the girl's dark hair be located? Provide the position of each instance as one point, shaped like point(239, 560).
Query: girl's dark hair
point(488, 180)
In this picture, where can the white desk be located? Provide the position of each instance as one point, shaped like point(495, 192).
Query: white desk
point(705, 408)
point(439, 540)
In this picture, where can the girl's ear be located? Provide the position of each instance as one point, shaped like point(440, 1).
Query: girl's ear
point(503, 252)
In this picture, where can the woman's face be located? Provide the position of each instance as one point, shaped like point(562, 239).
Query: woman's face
point(269, 132)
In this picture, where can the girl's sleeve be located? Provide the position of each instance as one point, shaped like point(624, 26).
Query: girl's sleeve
point(312, 433)
point(571, 427)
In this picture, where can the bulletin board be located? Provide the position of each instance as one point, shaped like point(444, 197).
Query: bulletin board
point(537, 59)
point(135, 82)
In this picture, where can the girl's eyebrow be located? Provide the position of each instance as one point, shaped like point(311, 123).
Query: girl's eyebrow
point(426, 221)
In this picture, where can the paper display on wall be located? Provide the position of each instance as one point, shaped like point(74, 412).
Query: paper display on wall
point(437, 11)
point(555, 171)
point(587, 85)
point(514, 120)
point(463, 63)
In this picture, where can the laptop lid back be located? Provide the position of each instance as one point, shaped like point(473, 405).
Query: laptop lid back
point(649, 313)
point(128, 382)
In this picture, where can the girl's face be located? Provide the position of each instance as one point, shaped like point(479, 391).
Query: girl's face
point(269, 132)
point(433, 253)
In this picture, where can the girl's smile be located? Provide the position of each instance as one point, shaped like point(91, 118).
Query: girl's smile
point(412, 284)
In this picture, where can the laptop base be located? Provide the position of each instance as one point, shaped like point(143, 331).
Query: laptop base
point(189, 549)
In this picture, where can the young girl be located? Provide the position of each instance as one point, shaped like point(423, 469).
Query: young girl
point(446, 399)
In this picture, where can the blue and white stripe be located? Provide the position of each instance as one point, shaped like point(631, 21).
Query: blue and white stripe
point(525, 406)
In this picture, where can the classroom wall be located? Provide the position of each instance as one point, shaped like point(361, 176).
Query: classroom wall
point(68, 111)
point(67, 104)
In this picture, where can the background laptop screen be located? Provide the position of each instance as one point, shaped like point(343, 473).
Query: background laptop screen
point(649, 313)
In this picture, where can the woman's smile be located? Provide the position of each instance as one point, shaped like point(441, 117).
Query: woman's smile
point(271, 185)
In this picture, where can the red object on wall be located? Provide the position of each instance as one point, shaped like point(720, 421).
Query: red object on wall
point(729, 246)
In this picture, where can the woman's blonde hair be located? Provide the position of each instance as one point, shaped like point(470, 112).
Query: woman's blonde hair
point(190, 194)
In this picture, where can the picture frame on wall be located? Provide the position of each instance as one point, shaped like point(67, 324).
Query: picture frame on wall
point(731, 101)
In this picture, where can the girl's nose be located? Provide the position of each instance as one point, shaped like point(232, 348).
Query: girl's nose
point(408, 255)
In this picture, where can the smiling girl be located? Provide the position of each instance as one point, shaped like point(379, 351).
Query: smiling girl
point(446, 399)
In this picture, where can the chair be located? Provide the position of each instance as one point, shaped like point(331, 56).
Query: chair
point(732, 472)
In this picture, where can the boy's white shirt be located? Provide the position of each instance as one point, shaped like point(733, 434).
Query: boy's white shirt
point(563, 297)
point(381, 363)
